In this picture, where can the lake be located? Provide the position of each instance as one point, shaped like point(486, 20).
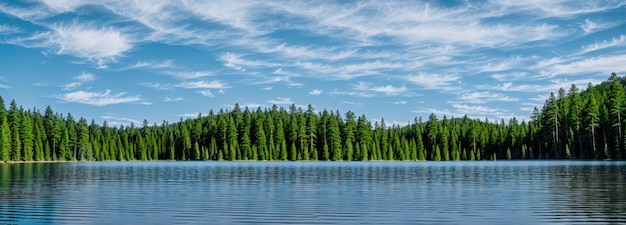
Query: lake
point(483, 192)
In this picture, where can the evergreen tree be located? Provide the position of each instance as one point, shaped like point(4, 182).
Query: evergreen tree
point(5, 134)
point(14, 126)
point(592, 119)
point(335, 139)
point(349, 136)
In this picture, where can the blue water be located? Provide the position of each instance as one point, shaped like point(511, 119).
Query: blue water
point(485, 192)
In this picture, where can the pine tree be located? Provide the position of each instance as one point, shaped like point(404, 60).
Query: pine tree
point(5, 134)
point(335, 139)
point(14, 126)
point(592, 119)
point(26, 133)
point(84, 147)
point(616, 100)
point(311, 120)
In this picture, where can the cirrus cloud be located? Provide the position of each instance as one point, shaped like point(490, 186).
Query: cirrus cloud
point(98, 98)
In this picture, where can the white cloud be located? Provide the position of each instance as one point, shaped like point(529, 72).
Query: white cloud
point(541, 64)
point(433, 81)
point(41, 84)
point(207, 93)
point(185, 75)
point(120, 120)
point(603, 45)
point(159, 86)
point(553, 85)
point(268, 88)
point(388, 90)
point(238, 15)
point(237, 62)
point(98, 98)
point(101, 45)
point(168, 99)
point(4, 86)
point(71, 86)
point(352, 93)
point(601, 65)
point(63, 5)
point(558, 8)
point(356, 104)
point(589, 26)
point(250, 106)
point(152, 65)
point(281, 101)
point(484, 97)
point(472, 109)
point(512, 76)
point(85, 77)
point(438, 112)
point(191, 115)
point(316, 92)
point(399, 103)
point(504, 64)
point(6, 29)
point(215, 84)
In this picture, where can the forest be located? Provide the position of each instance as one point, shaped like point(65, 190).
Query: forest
point(571, 124)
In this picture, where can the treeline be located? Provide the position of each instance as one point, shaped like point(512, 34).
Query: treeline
point(572, 125)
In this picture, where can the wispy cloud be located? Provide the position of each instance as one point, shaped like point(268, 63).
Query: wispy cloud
point(6, 29)
point(98, 45)
point(2, 83)
point(98, 98)
point(388, 90)
point(434, 81)
point(215, 84)
point(156, 85)
point(473, 109)
point(596, 66)
point(511, 76)
point(589, 27)
point(166, 64)
point(552, 85)
point(559, 8)
point(617, 41)
point(120, 120)
point(316, 92)
point(504, 64)
point(485, 97)
point(237, 62)
point(168, 99)
point(353, 93)
point(188, 115)
point(207, 93)
point(85, 77)
point(281, 101)
point(355, 104)
point(70, 86)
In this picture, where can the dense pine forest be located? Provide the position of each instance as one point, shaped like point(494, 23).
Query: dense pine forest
point(572, 124)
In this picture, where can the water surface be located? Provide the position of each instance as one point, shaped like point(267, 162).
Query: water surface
point(486, 192)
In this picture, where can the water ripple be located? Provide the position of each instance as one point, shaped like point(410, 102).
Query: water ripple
point(526, 192)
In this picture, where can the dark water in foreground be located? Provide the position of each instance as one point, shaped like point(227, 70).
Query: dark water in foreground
point(518, 192)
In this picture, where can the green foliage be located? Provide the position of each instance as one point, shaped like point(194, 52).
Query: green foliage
point(576, 125)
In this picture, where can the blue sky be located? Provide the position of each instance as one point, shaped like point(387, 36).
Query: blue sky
point(129, 60)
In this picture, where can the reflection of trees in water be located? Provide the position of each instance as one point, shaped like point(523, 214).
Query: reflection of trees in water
point(22, 188)
point(589, 193)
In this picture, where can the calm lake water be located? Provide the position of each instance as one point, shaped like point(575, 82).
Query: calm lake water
point(486, 192)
